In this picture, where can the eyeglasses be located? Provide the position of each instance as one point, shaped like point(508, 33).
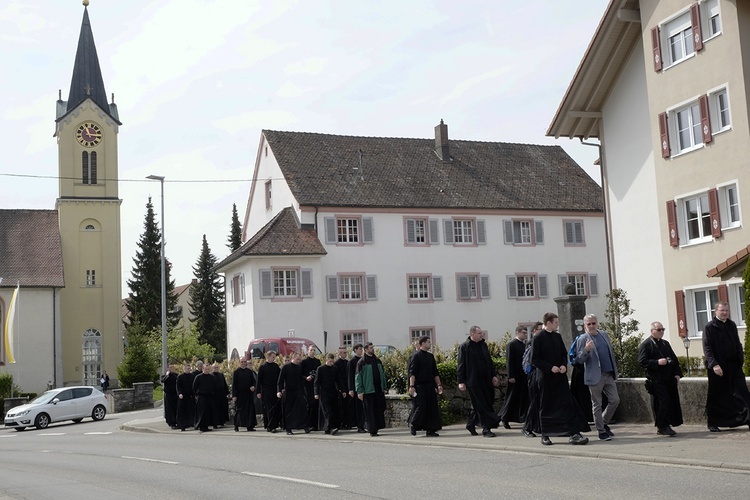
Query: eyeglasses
point(589, 324)
point(658, 329)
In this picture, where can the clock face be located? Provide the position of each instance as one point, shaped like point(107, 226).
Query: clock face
point(89, 134)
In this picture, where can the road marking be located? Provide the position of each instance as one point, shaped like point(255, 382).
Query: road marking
point(150, 460)
point(96, 433)
point(8, 436)
point(52, 434)
point(293, 480)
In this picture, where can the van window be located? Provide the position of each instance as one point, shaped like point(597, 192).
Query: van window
point(273, 346)
point(257, 350)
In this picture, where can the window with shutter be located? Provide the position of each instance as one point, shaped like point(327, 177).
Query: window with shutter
point(285, 283)
point(695, 22)
point(242, 287)
point(419, 288)
point(703, 302)
point(416, 231)
point(542, 285)
point(664, 135)
point(713, 209)
point(484, 286)
point(448, 231)
point(266, 287)
point(593, 285)
point(729, 206)
point(512, 286)
point(367, 230)
point(468, 286)
point(306, 278)
point(656, 44)
point(434, 232)
point(332, 283)
point(437, 288)
point(573, 230)
point(539, 232)
point(372, 287)
point(508, 232)
point(330, 225)
point(678, 33)
point(481, 232)
point(674, 239)
point(705, 119)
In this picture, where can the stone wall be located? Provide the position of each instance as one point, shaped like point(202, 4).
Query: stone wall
point(140, 397)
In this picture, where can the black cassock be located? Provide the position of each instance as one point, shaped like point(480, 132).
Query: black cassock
point(425, 412)
point(186, 403)
point(662, 384)
point(310, 367)
point(357, 413)
point(728, 400)
point(203, 388)
point(242, 380)
point(559, 413)
point(268, 379)
point(169, 382)
point(221, 403)
point(345, 406)
point(327, 389)
point(476, 370)
point(516, 402)
point(291, 380)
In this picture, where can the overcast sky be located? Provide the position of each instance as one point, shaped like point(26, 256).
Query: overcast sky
point(195, 82)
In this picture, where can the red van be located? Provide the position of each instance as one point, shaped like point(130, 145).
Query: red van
point(281, 345)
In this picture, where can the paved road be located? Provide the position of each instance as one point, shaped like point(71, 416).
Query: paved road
point(103, 460)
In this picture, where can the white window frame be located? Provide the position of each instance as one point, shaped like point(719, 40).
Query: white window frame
point(730, 219)
point(463, 232)
point(711, 20)
point(348, 230)
point(351, 288)
point(415, 332)
point(684, 223)
point(90, 277)
point(720, 110)
point(706, 303)
point(737, 289)
point(350, 338)
point(535, 286)
point(237, 290)
point(677, 32)
point(91, 357)
point(689, 137)
point(285, 283)
point(419, 287)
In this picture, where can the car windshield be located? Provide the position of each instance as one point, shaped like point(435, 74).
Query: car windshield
point(45, 398)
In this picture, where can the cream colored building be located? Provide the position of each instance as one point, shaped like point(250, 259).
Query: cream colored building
point(664, 86)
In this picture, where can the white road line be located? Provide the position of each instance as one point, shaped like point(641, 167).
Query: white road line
point(96, 433)
point(52, 434)
point(293, 480)
point(150, 460)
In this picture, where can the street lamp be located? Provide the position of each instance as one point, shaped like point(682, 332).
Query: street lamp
point(160, 178)
point(686, 343)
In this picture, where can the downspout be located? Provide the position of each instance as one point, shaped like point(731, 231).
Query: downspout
point(54, 339)
point(605, 198)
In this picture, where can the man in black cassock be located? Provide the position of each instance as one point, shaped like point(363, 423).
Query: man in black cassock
point(291, 391)
point(531, 425)
point(424, 388)
point(169, 384)
point(358, 411)
point(221, 397)
point(477, 374)
point(243, 386)
point(268, 378)
point(203, 388)
point(198, 370)
point(516, 402)
point(559, 414)
point(185, 399)
point(728, 400)
point(371, 385)
point(327, 392)
point(342, 372)
point(309, 367)
point(663, 372)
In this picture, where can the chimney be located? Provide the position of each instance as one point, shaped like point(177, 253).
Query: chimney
point(441, 141)
point(194, 282)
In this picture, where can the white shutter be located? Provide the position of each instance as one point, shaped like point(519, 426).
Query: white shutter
point(330, 225)
point(508, 232)
point(593, 285)
point(484, 285)
point(306, 280)
point(542, 285)
point(481, 233)
point(463, 288)
point(539, 232)
point(512, 286)
point(437, 288)
point(332, 284)
point(232, 286)
point(367, 231)
point(448, 230)
point(578, 231)
point(434, 232)
point(266, 284)
point(372, 287)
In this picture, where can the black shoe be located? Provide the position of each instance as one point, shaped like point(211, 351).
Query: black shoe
point(289, 432)
point(361, 431)
point(374, 434)
point(472, 430)
point(528, 434)
point(578, 439)
point(236, 429)
point(488, 434)
point(273, 431)
point(506, 425)
point(666, 431)
point(546, 441)
point(182, 430)
point(713, 428)
point(608, 431)
point(604, 436)
point(307, 430)
point(334, 431)
point(412, 430)
point(251, 429)
point(432, 434)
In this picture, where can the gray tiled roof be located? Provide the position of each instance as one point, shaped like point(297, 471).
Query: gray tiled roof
point(281, 236)
point(30, 249)
point(323, 169)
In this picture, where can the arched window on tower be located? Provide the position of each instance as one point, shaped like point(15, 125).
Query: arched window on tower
point(88, 167)
point(92, 357)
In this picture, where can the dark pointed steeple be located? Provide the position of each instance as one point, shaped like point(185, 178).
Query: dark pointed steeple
point(87, 81)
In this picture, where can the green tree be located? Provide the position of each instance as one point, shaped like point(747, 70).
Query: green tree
point(144, 300)
point(206, 302)
point(139, 363)
point(235, 232)
point(746, 312)
point(183, 344)
point(622, 331)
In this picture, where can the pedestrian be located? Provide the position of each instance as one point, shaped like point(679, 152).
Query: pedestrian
point(243, 387)
point(104, 381)
point(268, 378)
point(559, 414)
point(197, 371)
point(516, 402)
point(728, 400)
point(185, 399)
point(169, 385)
point(531, 426)
point(309, 367)
point(578, 388)
point(358, 412)
point(327, 393)
point(371, 386)
point(221, 397)
point(663, 372)
point(594, 350)
point(291, 391)
point(342, 372)
point(203, 388)
point(424, 388)
point(478, 376)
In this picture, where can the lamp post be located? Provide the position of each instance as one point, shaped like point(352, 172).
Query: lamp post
point(160, 178)
point(686, 343)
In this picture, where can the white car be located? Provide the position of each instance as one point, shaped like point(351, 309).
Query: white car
point(64, 403)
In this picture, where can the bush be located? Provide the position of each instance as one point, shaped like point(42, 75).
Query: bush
point(139, 364)
point(7, 387)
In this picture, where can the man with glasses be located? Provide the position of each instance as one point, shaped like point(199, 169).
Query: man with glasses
point(662, 372)
point(594, 351)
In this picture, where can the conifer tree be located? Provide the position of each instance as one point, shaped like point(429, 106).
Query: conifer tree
point(144, 300)
point(139, 363)
point(235, 232)
point(206, 302)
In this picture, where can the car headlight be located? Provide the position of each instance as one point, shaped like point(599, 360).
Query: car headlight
point(22, 413)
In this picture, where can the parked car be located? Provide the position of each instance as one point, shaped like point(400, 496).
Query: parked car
point(383, 350)
point(281, 345)
point(56, 405)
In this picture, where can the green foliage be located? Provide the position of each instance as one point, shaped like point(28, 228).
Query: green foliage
point(448, 371)
point(7, 387)
point(395, 367)
point(206, 302)
point(140, 363)
point(697, 365)
point(235, 231)
point(183, 344)
point(746, 312)
point(449, 413)
point(622, 333)
point(144, 300)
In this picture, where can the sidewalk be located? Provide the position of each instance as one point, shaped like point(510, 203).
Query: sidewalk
point(693, 446)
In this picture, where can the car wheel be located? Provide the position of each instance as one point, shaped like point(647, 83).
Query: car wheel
point(19, 429)
point(98, 412)
point(77, 420)
point(42, 421)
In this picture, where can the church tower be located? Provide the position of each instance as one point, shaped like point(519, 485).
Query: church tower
point(89, 214)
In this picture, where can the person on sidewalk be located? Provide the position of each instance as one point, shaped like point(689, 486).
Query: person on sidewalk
point(291, 390)
point(594, 350)
point(371, 386)
point(559, 414)
point(268, 377)
point(345, 402)
point(358, 410)
point(244, 383)
point(531, 426)
point(221, 397)
point(203, 388)
point(728, 400)
point(663, 372)
point(309, 367)
point(185, 399)
point(327, 393)
point(516, 402)
point(169, 385)
point(477, 374)
point(424, 388)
